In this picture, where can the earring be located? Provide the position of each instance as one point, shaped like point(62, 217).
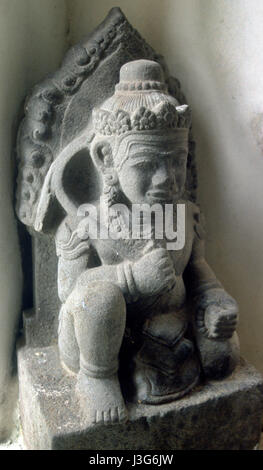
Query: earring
point(111, 177)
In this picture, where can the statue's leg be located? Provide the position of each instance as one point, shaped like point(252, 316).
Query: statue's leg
point(67, 343)
point(218, 357)
point(99, 312)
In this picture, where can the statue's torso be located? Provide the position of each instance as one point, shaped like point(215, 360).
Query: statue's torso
point(112, 252)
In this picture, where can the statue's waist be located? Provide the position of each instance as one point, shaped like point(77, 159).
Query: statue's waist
point(173, 300)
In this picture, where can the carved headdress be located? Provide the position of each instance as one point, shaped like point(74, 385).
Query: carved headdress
point(141, 102)
point(141, 105)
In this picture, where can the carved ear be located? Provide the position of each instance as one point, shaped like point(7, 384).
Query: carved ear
point(101, 153)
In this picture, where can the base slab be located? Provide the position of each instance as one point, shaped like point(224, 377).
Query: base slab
point(219, 415)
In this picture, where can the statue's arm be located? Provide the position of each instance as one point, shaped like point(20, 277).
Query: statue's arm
point(76, 273)
point(151, 275)
point(79, 264)
point(80, 270)
point(119, 274)
point(68, 272)
point(199, 275)
point(216, 312)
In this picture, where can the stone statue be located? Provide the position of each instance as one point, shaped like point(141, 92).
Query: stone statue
point(140, 148)
point(138, 322)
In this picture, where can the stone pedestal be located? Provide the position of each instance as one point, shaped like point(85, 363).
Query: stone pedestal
point(219, 415)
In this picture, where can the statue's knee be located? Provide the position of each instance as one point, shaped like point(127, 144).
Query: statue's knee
point(99, 299)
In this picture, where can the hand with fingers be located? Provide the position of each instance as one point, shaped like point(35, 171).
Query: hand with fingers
point(154, 273)
point(217, 314)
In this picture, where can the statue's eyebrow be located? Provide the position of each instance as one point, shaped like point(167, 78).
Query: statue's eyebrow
point(137, 159)
point(143, 154)
point(151, 151)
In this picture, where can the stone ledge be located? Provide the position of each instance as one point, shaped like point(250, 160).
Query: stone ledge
point(219, 415)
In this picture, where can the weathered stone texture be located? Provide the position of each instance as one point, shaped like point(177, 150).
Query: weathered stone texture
point(220, 415)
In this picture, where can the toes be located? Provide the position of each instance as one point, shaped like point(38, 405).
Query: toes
point(106, 416)
point(114, 415)
point(99, 416)
point(93, 416)
point(122, 413)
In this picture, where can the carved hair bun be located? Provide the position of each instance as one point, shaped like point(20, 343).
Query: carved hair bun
point(141, 75)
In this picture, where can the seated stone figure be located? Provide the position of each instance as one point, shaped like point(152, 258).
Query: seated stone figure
point(138, 321)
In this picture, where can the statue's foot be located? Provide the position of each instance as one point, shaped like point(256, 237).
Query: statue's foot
point(101, 399)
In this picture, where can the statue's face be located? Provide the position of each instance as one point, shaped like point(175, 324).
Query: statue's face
point(154, 171)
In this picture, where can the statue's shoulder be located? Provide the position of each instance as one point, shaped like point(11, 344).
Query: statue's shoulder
point(69, 242)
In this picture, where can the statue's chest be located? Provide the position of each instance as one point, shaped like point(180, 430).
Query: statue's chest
point(124, 247)
point(115, 251)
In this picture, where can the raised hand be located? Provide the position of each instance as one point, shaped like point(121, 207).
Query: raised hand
point(154, 272)
point(217, 314)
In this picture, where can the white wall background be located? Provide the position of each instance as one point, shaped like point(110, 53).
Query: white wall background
point(215, 48)
point(32, 42)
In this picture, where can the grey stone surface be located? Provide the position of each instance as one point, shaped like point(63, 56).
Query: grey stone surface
point(41, 325)
point(219, 415)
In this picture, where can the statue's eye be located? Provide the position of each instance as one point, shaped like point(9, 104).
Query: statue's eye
point(144, 164)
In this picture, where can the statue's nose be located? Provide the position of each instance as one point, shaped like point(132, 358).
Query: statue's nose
point(161, 176)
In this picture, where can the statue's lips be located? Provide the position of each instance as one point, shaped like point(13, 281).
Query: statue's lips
point(159, 194)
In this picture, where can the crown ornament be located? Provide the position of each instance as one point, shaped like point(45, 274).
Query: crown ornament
point(143, 119)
